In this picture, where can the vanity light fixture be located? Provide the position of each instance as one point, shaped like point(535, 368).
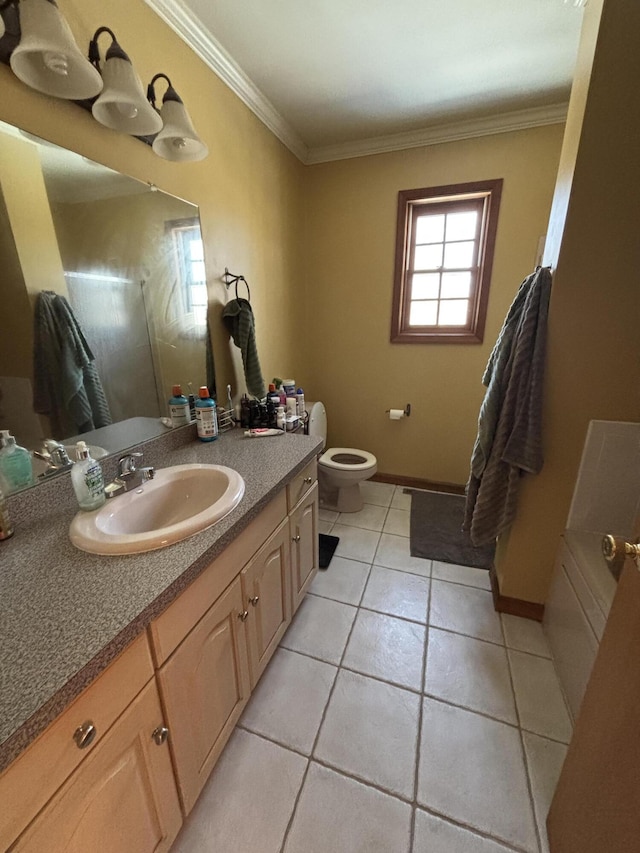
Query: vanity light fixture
point(178, 140)
point(2, 26)
point(47, 58)
point(122, 104)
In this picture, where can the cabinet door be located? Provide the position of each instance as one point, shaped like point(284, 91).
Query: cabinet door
point(266, 589)
point(204, 687)
point(304, 544)
point(121, 798)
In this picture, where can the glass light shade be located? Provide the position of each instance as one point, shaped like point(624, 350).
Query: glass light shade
point(47, 58)
point(122, 105)
point(178, 139)
point(2, 27)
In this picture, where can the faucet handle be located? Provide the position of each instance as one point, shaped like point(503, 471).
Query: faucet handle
point(57, 452)
point(127, 464)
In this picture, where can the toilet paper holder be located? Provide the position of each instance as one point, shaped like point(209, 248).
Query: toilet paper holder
point(407, 410)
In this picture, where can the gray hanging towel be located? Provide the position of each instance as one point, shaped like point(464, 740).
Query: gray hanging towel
point(509, 440)
point(239, 320)
point(66, 385)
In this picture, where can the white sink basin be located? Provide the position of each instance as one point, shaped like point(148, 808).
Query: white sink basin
point(177, 503)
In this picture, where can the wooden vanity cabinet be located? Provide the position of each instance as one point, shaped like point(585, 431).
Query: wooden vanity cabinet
point(266, 588)
point(303, 525)
point(204, 687)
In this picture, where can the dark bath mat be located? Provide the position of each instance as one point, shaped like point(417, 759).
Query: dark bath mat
point(328, 545)
point(436, 531)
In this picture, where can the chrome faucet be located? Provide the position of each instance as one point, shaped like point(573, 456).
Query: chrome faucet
point(55, 455)
point(129, 475)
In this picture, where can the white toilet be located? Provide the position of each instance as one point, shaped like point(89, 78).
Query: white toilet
point(340, 469)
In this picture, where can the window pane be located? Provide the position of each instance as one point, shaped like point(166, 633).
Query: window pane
point(197, 271)
point(430, 229)
point(198, 294)
point(453, 312)
point(461, 226)
point(428, 257)
point(196, 250)
point(426, 285)
point(200, 315)
point(458, 255)
point(423, 313)
point(456, 285)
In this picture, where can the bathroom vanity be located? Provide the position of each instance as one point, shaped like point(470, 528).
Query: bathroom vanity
point(125, 676)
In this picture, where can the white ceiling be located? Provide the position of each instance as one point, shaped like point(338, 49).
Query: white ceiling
point(332, 77)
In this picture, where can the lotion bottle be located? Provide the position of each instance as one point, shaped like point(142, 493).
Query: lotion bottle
point(16, 470)
point(206, 416)
point(179, 410)
point(87, 479)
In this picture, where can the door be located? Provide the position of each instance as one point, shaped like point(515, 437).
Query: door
point(204, 687)
point(596, 807)
point(267, 598)
point(305, 544)
point(122, 797)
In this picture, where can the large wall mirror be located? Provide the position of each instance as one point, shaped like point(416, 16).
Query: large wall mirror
point(128, 261)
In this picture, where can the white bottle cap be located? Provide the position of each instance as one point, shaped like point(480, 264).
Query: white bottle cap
point(82, 451)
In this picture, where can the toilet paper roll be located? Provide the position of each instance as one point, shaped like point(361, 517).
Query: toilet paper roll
point(396, 414)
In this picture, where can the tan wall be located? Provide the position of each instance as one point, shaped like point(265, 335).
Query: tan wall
point(351, 365)
point(248, 189)
point(593, 366)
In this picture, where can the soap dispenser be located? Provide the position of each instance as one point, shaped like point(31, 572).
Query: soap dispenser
point(16, 470)
point(87, 479)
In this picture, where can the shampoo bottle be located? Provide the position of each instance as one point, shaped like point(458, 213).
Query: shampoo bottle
point(15, 464)
point(206, 416)
point(179, 410)
point(87, 480)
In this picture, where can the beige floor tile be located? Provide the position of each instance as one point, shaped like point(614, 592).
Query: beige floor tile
point(435, 835)
point(325, 526)
point(370, 517)
point(289, 700)
point(472, 770)
point(336, 814)
point(544, 760)
point(470, 672)
point(465, 610)
point(393, 553)
point(525, 635)
point(397, 522)
point(377, 493)
point(219, 819)
point(356, 543)
point(400, 499)
point(539, 699)
point(397, 593)
point(387, 648)
point(320, 628)
point(328, 515)
point(461, 574)
point(344, 580)
point(370, 730)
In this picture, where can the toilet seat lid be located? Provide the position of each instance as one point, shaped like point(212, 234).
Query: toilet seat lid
point(347, 459)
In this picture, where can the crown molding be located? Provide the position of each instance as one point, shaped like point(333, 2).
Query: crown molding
point(500, 123)
point(191, 29)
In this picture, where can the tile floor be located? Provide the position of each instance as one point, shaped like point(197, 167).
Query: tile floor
point(400, 715)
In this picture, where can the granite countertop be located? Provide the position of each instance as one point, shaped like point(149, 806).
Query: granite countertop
point(65, 614)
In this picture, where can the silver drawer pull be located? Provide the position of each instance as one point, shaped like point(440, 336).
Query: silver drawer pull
point(160, 735)
point(308, 480)
point(243, 616)
point(85, 734)
point(254, 600)
point(295, 538)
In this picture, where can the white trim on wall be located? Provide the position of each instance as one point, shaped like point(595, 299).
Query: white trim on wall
point(189, 27)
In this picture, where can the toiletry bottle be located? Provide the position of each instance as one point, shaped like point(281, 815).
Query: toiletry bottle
point(281, 422)
point(15, 464)
point(206, 416)
point(289, 387)
point(300, 403)
point(244, 411)
point(6, 529)
point(87, 480)
point(179, 411)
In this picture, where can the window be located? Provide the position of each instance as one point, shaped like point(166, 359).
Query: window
point(189, 253)
point(444, 254)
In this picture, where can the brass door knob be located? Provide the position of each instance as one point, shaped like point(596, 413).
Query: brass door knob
point(308, 480)
point(160, 735)
point(295, 539)
point(616, 549)
point(243, 616)
point(254, 600)
point(85, 734)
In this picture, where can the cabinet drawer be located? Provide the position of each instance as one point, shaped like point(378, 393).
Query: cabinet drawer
point(169, 629)
point(301, 483)
point(28, 783)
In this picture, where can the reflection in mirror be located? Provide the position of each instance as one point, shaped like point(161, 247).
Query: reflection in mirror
point(113, 271)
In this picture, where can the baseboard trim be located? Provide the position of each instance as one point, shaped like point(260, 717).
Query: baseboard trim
point(513, 606)
point(417, 483)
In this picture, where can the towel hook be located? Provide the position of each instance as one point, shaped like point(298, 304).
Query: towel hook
point(230, 278)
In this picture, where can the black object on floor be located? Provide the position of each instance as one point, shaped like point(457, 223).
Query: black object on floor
point(328, 545)
point(436, 531)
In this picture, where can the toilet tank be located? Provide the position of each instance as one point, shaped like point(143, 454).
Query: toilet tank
point(317, 421)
